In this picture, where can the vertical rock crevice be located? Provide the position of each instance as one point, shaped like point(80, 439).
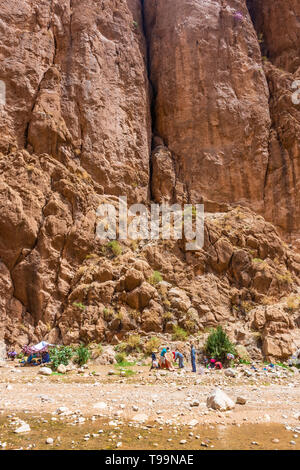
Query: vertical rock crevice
point(277, 28)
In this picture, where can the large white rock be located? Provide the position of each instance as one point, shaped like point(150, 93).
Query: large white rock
point(23, 428)
point(45, 371)
point(218, 400)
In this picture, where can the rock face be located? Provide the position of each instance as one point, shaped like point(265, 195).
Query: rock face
point(85, 97)
point(215, 94)
point(277, 26)
point(118, 97)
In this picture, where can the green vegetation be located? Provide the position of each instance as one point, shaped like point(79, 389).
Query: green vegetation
point(115, 247)
point(152, 345)
point(60, 355)
point(179, 334)
point(82, 355)
point(260, 38)
point(257, 260)
point(191, 326)
point(280, 364)
point(133, 344)
point(123, 369)
point(218, 345)
point(244, 361)
point(120, 357)
point(285, 277)
point(168, 316)
point(79, 305)
point(155, 278)
point(108, 314)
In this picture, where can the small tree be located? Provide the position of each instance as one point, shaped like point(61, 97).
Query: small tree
point(218, 345)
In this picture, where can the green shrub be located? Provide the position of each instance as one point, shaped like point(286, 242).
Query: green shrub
point(115, 247)
point(82, 355)
point(168, 316)
point(155, 278)
point(79, 305)
point(218, 345)
point(108, 314)
point(120, 357)
point(179, 334)
point(133, 343)
point(152, 344)
point(121, 347)
point(257, 260)
point(60, 355)
point(191, 326)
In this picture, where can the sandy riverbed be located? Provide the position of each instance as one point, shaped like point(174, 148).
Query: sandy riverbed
point(146, 410)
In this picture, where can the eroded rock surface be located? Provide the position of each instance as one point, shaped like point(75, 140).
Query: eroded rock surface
point(124, 98)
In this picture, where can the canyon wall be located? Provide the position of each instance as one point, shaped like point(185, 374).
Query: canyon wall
point(159, 100)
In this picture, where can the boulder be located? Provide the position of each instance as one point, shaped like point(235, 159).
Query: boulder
point(45, 371)
point(61, 369)
point(218, 400)
point(133, 279)
point(179, 299)
point(141, 296)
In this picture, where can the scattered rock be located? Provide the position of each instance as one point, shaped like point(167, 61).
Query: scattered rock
point(230, 373)
point(241, 401)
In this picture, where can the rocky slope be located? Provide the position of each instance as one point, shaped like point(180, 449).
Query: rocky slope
point(159, 100)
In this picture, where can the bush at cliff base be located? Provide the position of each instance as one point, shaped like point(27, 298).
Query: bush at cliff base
point(218, 345)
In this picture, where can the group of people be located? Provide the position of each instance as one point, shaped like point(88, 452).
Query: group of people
point(166, 358)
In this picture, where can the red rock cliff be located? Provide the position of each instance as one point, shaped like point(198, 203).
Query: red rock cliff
point(175, 100)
